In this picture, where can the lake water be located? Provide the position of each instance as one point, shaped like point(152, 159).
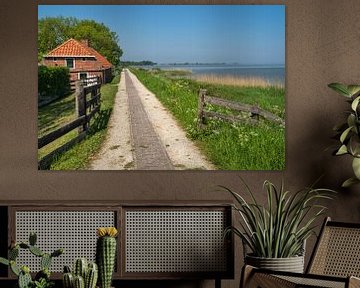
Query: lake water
point(273, 74)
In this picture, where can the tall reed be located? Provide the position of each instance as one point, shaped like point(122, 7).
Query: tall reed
point(237, 81)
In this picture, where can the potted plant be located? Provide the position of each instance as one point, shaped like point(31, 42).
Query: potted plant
point(42, 278)
point(276, 233)
point(349, 131)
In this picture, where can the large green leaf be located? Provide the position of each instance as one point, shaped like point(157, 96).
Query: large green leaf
point(342, 150)
point(340, 88)
point(356, 167)
point(345, 134)
point(355, 103)
point(354, 145)
point(353, 89)
point(349, 182)
point(351, 120)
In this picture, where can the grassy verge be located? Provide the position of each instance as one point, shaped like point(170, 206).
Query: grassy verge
point(228, 146)
point(61, 112)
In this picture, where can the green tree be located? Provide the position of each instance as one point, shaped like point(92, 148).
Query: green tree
point(101, 38)
point(52, 31)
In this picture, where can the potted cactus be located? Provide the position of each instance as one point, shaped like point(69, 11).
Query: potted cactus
point(85, 275)
point(106, 254)
point(42, 278)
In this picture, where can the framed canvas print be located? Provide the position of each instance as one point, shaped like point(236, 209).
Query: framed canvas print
point(161, 87)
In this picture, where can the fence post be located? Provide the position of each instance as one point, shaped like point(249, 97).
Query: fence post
point(254, 112)
point(81, 104)
point(201, 106)
point(93, 95)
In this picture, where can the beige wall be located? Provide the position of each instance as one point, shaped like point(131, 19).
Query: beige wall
point(323, 46)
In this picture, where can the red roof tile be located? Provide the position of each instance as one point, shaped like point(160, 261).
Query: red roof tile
point(70, 47)
point(74, 48)
point(104, 62)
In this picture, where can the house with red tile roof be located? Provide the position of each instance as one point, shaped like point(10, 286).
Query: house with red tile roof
point(82, 60)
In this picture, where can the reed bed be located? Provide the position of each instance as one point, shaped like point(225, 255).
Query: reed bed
point(237, 81)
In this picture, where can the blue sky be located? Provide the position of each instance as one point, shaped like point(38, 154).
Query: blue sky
point(245, 34)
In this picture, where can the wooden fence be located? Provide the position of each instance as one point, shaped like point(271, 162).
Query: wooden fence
point(87, 105)
point(89, 81)
point(254, 112)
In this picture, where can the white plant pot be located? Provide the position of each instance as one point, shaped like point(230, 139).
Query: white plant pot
point(291, 264)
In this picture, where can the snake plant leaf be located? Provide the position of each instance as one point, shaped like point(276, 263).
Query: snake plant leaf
point(345, 134)
point(351, 181)
point(355, 103)
point(341, 89)
point(342, 150)
point(356, 167)
point(279, 228)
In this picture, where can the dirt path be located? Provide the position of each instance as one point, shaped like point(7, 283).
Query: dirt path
point(143, 135)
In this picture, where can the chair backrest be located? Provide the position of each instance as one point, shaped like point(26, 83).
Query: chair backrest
point(337, 251)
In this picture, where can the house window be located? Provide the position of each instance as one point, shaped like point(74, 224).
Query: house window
point(55, 59)
point(70, 63)
point(83, 59)
point(82, 75)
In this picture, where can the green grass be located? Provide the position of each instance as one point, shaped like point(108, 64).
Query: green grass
point(54, 116)
point(61, 112)
point(228, 146)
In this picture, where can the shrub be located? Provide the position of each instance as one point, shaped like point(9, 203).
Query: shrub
point(54, 82)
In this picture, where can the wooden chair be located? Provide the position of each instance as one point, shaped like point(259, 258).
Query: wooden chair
point(334, 263)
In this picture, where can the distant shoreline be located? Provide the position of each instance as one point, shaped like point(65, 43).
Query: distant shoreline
point(222, 65)
point(269, 74)
point(188, 64)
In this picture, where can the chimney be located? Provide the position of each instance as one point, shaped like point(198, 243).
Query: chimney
point(85, 42)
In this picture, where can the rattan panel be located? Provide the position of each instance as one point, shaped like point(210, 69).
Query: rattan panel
point(175, 241)
point(338, 253)
point(75, 231)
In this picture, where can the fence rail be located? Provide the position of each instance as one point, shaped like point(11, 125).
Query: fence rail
point(89, 81)
point(88, 101)
point(253, 111)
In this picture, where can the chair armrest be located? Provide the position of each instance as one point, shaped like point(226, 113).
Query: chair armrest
point(252, 277)
point(246, 273)
point(354, 282)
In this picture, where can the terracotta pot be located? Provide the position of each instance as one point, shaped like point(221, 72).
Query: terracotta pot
point(291, 264)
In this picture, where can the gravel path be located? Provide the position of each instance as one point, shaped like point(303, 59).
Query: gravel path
point(149, 152)
point(116, 152)
point(143, 135)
